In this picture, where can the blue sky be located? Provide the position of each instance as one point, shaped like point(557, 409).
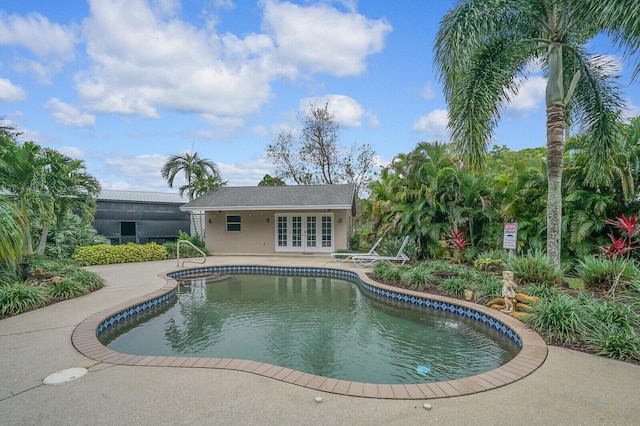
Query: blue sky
point(124, 84)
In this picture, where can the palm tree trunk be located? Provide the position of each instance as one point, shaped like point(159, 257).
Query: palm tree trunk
point(43, 238)
point(555, 151)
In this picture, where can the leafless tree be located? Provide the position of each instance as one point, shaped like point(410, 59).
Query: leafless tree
point(315, 156)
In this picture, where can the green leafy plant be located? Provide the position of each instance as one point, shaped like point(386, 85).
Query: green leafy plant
point(488, 287)
point(535, 268)
point(559, 318)
point(615, 342)
point(387, 272)
point(16, 298)
point(419, 277)
point(604, 274)
point(454, 286)
point(66, 289)
point(87, 279)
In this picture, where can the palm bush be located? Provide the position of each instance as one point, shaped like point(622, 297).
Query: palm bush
point(19, 297)
point(535, 268)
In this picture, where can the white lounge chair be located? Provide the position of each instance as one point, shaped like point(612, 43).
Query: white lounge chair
point(363, 260)
point(341, 257)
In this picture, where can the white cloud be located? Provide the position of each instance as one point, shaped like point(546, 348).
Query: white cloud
point(144, 59)
point(433, 124)
point(245, 173)
point(141, 173)
point(611, 64)
point(143, 62)
point(530, 96)
point(630, 110)
point(372, 118)
point(348, 112)
point(427, 92)
point(319, 38)
point(72, 151)
point(53, 44)
point(36, 34)
point(68, 115)
point(9, 92)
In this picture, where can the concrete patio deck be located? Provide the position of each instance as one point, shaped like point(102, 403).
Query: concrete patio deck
point(569, 388)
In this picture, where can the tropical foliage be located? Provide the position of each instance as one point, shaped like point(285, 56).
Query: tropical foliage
point(44, 186)
point(485, 50)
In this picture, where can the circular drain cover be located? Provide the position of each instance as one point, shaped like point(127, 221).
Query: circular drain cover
point(65, 376)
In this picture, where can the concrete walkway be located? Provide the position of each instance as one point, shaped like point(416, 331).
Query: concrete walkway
point(570, 387)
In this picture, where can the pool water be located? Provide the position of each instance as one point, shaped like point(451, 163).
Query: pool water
point(323, 326)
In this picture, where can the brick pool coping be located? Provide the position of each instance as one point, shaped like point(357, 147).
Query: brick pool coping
point(531, 356)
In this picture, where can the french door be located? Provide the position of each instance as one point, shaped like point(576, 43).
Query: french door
point(304, 232)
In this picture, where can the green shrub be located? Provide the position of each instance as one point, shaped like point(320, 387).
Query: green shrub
point(455, 286)
point(19, 297)
point(542, 291)
point(488, 286)
point(387, 272)
point(360, 241)
point(195, 240)
point(66, 289)
point(103, 254)
point(615, 342)
point(491, 260)
point(534, 268)
point(84, 278)
point(601, 274)
point(8, 277)
point(419, 277)
point(559, 318)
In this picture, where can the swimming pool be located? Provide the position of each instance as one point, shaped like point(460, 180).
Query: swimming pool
point(319, 325)
point(531, 355)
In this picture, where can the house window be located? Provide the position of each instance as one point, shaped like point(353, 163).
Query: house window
point(233, 223)
point(326, 231)
point(296, 231)
point(282, 231)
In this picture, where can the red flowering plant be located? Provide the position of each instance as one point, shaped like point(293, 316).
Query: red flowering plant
point(458, 242)
point(630, 228)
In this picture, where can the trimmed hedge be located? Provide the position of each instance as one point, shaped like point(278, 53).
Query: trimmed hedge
point(104, 254)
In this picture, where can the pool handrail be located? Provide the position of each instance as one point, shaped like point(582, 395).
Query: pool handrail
point(192, 245)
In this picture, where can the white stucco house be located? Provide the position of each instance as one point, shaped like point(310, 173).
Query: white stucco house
point(277, 219)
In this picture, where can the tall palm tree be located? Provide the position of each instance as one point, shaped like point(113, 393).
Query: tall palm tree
point(195, 169)
point(70, 187)
point(483, 51)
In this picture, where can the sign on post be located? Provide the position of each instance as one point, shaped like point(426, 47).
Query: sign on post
point(510, 240)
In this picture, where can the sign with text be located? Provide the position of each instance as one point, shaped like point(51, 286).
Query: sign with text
point(510, 240)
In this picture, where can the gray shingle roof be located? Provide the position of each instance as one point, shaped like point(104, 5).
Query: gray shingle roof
point(141, 197)
point(293, 197)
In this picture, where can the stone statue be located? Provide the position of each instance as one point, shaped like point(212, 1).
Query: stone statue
point(508, 291)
